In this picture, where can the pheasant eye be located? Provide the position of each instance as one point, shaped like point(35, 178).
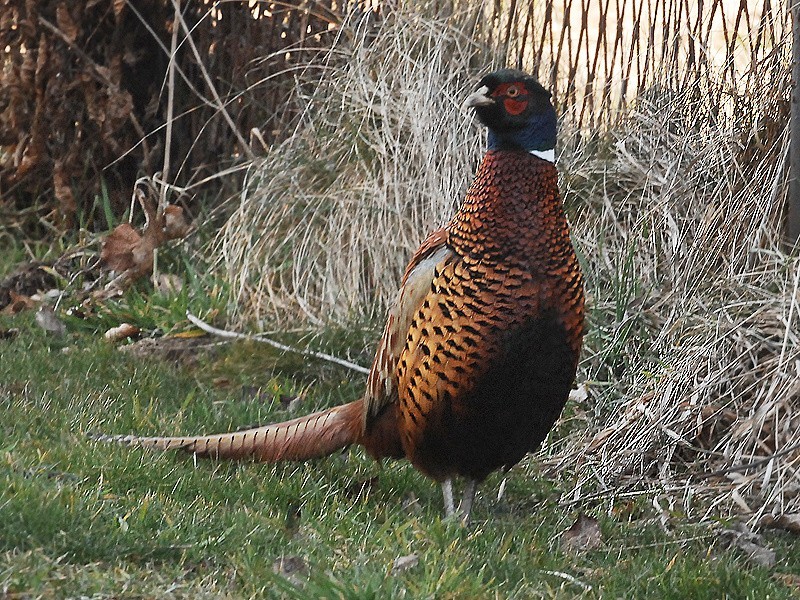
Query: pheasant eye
point(512, 91)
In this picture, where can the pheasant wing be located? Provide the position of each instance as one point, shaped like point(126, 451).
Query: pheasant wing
point(382, 380)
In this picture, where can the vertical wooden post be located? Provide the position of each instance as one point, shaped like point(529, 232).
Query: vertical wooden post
point(793, 224)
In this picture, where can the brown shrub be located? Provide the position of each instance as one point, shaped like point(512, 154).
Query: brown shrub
point(83, 100)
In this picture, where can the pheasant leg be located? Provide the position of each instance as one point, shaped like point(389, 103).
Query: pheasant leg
point(465, 508)
point(447, 491)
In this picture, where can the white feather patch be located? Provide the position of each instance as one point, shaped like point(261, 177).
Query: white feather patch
point(549, 155)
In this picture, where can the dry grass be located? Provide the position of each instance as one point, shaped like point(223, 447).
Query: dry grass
point(350, 196)
point(692, 354)
point(694, 340)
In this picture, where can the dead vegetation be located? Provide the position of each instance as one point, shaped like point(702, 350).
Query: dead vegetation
point(693, 342)
point(96, 94)
point(381, 156)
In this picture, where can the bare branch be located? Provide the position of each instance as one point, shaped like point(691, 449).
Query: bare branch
point(265, 340)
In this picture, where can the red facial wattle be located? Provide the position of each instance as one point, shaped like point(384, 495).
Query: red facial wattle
point(515, 107)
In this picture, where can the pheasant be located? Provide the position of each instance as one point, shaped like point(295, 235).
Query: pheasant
point(481, 347)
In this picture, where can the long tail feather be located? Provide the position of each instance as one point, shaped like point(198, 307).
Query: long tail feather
point(311, 436)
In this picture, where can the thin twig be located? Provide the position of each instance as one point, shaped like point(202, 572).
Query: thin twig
point(668, 542)
point(570, 578)
point(165, 174)
point(761, 461)
point(265, 340)
point(610, 493)
point(218, 101)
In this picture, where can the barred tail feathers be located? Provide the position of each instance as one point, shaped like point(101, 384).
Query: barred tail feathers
point(311, 436)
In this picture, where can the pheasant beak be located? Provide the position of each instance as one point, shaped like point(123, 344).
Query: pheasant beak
point(478, 98)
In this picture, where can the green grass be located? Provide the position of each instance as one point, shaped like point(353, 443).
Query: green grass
point(78, 518)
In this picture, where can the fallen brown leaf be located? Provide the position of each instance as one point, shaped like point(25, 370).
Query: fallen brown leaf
point(291, 567)
point(751, 544)
point(66, 23)
point(61, 181)
point(404, 563)
point(118, 248)
point(121, 332)
point(175, 225)
point(788, 579)
point(29, 279)
point(167, 283)
point(583, 535)
point(788, 522)
point(221, 382)
point(130, 252)
point(7, 334)
point(18, 303)
point(47, 320)
point(600, 438)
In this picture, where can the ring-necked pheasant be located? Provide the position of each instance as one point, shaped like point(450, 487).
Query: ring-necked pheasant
point(481, 347)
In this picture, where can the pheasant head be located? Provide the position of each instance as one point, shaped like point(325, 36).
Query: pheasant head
point(518, 112)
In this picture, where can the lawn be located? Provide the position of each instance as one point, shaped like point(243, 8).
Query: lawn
point(80, 518)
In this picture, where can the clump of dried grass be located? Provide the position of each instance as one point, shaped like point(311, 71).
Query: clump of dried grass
point(382, 155)
point(694, 338)
point(692, 351)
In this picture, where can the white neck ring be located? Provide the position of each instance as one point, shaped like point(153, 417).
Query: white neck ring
point(549, 155)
